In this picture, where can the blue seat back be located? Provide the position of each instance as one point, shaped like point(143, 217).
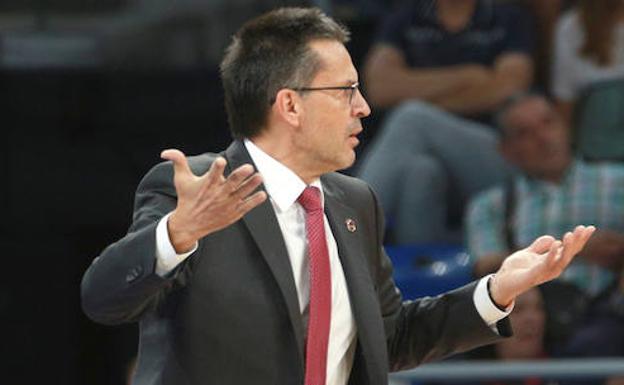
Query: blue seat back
point(599, 121)
point(431, 269)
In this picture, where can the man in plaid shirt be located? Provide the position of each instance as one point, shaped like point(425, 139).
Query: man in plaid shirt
point(552, 192)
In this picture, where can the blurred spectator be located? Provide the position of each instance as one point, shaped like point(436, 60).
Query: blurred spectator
point(588, 47)
point(458, 58)
point(528, 320)
point(602, 334)
point(551, 193)
point(546, 14)
point(463, 56)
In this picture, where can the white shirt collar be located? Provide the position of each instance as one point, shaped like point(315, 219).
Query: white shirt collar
point(280, 182)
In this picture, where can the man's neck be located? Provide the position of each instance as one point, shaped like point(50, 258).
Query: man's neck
point(455, 15)
point(283, 152)
point(556, 176)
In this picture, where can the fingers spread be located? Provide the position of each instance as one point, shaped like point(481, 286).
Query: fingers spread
point(252, 201)
point(180, 164)
point(239, 176)
point(248, 186)
point(587, 233)
point(542, 244)
point(554, 253)
point(574, 242)
point(214, 176)
point(569, 248)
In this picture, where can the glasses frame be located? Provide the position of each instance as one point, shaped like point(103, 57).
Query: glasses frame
point(353, 88)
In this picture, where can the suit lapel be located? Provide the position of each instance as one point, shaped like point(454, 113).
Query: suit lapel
point(355, 266)
point(349, 245)
point(264, 228)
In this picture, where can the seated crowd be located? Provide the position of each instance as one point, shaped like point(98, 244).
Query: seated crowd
point(468, 152)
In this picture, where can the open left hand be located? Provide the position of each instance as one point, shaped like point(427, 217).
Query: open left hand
point(542, 261)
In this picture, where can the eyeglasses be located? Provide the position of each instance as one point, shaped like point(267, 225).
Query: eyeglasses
point(350, 89)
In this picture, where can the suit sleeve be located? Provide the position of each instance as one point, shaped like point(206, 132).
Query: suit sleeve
point(429, 328)
point(121, 283)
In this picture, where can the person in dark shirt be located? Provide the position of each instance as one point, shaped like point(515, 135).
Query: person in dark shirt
point(445, 66)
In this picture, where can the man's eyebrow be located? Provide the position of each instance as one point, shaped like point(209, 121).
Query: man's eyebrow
point(355, 79)
point(346, 83)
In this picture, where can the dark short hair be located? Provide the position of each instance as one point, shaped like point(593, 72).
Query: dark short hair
point(500, 116)
point(269, 53)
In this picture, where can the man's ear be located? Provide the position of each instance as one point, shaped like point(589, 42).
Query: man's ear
point(288, 106)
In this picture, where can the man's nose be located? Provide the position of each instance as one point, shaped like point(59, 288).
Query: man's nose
point(361, 108)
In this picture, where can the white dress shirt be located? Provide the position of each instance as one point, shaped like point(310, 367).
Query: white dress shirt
point(283, 187)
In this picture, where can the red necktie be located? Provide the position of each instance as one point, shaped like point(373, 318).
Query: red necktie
point(320, 288)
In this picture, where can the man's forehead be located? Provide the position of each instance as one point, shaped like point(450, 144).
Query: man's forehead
point(337, 78)
point(533, 104)
point(336, 63)
point(527, 111)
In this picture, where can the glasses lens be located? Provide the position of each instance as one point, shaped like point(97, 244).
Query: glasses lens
point(352, 91)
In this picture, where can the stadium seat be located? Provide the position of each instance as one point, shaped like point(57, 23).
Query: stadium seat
point(429, 269)
point(599, 121)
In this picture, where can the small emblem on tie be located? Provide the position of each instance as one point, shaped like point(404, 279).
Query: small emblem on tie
point(350, 225)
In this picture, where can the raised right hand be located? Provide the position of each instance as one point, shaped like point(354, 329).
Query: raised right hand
point(209, 202)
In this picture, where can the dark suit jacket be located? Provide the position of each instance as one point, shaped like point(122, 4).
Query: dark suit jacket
point(229, 314)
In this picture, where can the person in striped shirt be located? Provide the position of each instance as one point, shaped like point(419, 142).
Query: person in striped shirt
point(551, 191)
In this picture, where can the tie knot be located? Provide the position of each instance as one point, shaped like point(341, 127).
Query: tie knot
point(310, 199)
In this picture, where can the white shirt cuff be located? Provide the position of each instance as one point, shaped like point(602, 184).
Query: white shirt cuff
point(486, 308)
point(166, 257)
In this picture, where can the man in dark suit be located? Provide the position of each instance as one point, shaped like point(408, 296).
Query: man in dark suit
point(230, 287)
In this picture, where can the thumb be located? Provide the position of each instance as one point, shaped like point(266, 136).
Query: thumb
point(541, 244)
point(180, 164)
